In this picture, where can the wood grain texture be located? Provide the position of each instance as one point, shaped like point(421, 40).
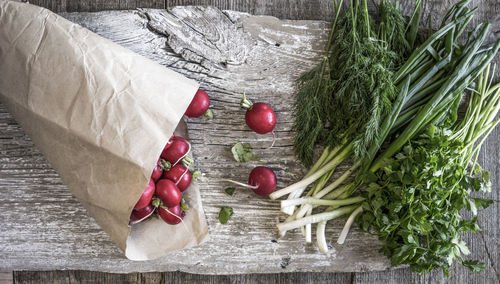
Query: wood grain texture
point(96, 5)
point(6, 277)
point(215, 138)
point(60, 277)
point(324, 9)
point(283, 9)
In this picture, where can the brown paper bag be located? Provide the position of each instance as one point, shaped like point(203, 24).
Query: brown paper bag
point(101, 115)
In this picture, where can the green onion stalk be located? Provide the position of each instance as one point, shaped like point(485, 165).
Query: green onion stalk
point(480, 118)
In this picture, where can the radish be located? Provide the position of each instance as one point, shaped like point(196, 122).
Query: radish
point(173, 215)
point(168, 192)
point(142, 214)
point(146, 196)
point(259, 117)
point(180, 175)
point(262, 181)
point(199, 105)
point(157, 171)
point(169, 143)
point(177, 151)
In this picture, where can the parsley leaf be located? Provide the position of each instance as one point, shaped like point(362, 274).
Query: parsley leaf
point(230, 190)
point(242, 152)
point(474, 265)
point(224, 214)
point(483, 203)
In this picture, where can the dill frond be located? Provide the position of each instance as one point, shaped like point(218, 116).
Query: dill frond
point(350, 92)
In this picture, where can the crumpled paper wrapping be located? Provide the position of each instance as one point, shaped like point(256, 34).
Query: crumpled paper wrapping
point(101, 115)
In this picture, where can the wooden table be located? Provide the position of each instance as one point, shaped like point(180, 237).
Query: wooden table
point(228, 52)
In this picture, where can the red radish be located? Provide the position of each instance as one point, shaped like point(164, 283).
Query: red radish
point(177, 151)
point(142, 214)
point(157, 171)
point(199, 105)
point(262, 181)
point(168, 192)
point(169, 143)
point(180, 175)
point(259, 117)
point(146, 195)
point(173, 216)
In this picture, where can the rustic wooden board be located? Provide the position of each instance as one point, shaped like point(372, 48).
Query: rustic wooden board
point(242, 56)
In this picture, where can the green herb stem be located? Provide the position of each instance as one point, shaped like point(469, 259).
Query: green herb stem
point(344, 153)
point(315, 218)
point(321, 237)
point(348, 224)
point(321, 202)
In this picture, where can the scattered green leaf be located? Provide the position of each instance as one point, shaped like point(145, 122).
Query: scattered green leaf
point(224, 214)
point(230, 190)
point(242, 152)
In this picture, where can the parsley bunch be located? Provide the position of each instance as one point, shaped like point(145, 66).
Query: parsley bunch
point(414, 205)
point(414, 202)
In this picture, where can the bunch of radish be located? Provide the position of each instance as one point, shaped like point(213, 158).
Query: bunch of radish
point(163, 194)
point(171, 175)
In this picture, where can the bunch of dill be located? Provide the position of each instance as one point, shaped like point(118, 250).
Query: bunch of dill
point(348, 94)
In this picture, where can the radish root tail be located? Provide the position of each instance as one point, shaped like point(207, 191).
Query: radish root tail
point(274, 139)
point(241, 184)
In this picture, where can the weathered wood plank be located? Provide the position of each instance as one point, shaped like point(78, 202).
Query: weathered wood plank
point(324, 9)
point(96, 5)
point(283, 9)
point(59, 277)
point(6, 277)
